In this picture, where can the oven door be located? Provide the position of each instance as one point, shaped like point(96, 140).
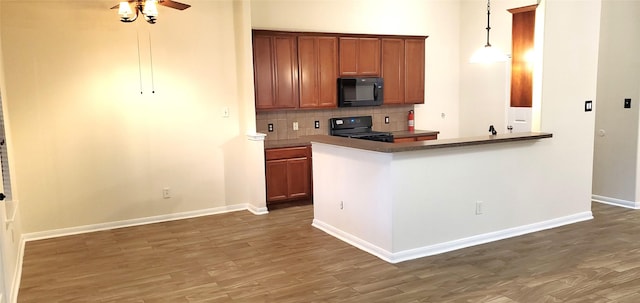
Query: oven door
point(354, 92)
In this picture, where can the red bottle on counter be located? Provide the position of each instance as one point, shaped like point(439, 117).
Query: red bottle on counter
point(411, 121)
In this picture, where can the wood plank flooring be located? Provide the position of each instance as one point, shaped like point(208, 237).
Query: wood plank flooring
point(279, 257)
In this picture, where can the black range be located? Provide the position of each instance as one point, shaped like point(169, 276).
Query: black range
point(358, 128)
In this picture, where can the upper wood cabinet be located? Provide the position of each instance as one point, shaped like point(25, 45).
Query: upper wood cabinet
point(359, 56)
point(403, 70)
point(318, 64)
point(522, 37)
point(393, 70)
point(414, 70)
point(296, 70)
point(275, 63)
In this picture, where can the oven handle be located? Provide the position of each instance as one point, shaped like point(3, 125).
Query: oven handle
point(375, 91)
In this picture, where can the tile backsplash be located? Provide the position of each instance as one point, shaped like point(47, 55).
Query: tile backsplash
point(283, 120)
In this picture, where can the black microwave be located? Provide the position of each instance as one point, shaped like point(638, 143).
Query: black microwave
point(354, 92)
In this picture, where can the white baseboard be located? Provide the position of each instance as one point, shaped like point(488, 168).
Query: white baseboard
point(140, 221)
point(439, 248)
point(15, 284)
point(257, 210)
point(616, 202)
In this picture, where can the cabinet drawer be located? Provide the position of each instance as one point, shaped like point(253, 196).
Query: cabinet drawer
point(402, 140)
point(425, 138)
point(286, 153)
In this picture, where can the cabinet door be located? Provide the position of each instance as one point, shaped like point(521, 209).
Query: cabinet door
point(275, 66)
point(264, 80)
point(393, 66)
point(299, 183)
point(318, 63)
point(369, 57)
point(359, 56)
point(276, 175)
point(286, 72)
point(414, 71)
point(348, 56)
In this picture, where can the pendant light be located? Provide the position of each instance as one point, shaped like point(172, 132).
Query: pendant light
point(488, 53)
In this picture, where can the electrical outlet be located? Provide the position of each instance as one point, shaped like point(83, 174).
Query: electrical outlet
point(386, 120)
point(270, 127)
point(295, 125)
point(627, 103)
point(317, 124)
point(166, 193)
point(478, 207)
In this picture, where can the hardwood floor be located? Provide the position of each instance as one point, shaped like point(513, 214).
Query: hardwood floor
point(279, 257)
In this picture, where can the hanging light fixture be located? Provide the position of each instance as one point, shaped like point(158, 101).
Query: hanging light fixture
point(148, 8)
point(488, 53)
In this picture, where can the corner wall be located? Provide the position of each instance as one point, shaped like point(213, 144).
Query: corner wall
point(570, 66)
point(615, 163)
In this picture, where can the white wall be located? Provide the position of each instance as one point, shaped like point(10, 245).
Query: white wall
point(89, 148)
point(407, 205)
point(438, 19)
point(615, 164)
point(570, 65)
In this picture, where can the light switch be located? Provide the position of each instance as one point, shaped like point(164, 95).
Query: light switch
point(627, 103)
point(588, 105)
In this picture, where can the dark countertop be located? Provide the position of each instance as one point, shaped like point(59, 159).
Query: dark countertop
point(415, 133)
point(424, 145)
point(303, 141)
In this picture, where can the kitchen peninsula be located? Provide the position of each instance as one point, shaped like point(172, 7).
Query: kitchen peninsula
point(408, 200)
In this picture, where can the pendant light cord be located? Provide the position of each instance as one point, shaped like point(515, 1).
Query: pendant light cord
point(153, 87)
point(139, 63)
point(488, 23)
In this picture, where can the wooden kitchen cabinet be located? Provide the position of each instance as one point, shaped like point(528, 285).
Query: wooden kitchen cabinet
point(275, 64)
point(318, 64)
point(522, 45)
point(403, 70)
point(393, 70)
point(288, 174)
point(359, 56)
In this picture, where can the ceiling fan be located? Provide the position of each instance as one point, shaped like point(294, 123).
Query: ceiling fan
point(148, 9)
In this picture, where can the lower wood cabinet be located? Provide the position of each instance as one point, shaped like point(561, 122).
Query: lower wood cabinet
point(288, 174)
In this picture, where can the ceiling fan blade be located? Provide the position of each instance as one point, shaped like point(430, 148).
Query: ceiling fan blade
point(174, 4)
point(118, 5)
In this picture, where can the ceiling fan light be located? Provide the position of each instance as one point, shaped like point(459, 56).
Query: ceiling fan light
point(150, 9)
point(125, 10)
